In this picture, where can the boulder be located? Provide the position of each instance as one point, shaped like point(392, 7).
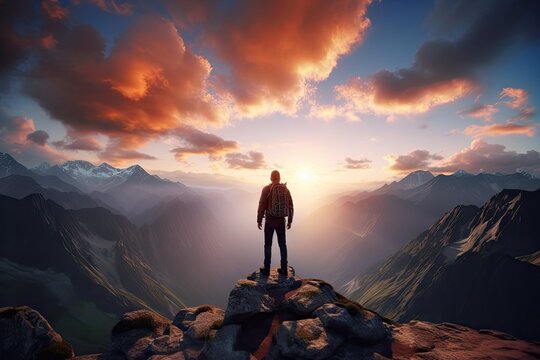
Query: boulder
point(25, 334)
point(362, 325)
point(304, 339)
point(136, 331)
point(311, 295)
point(197, 322)
point(246, 299)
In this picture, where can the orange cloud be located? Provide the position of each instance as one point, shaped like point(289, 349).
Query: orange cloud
point(274, 49)
point(390, 94)
point(517, 97)
point(148, 86)
point(500, 130)
point(481, 111)
point(19, 137)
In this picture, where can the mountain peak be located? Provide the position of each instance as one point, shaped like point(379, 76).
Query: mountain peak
point(8, 166)
point(105, 165)
point(461, 173)
point(415, 179)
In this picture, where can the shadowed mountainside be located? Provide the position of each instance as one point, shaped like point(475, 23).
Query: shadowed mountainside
point(468, 266)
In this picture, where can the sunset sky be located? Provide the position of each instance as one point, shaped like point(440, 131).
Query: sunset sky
point(335, 94)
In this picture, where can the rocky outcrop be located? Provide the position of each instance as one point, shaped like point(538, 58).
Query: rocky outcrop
point(285, 317)
point(451, 341)
point(25, 334)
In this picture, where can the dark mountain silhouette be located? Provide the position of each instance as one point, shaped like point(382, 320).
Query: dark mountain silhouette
point(80, 259)
point(471, 267)
point(267, 317)
point(19, 186)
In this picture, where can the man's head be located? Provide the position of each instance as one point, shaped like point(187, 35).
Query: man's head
point(275, 177)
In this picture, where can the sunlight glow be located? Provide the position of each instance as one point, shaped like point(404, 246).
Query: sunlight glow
point(305, 175)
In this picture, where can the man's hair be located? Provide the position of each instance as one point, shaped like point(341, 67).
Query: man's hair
point(275, 175)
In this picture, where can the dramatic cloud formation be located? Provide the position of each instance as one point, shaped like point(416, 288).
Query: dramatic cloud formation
point(483, 157)
point(415, 160)
point(481, 111)
point(443, 70)
point(357, 164)
point(405, 93)
point(273, 49)
point(19, 137)
point(149, 85)
point(39, 137)
point(197, 142)
point(251, 160)
point(499, 130)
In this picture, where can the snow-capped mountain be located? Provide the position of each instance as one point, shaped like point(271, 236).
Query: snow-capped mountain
point(90, 177)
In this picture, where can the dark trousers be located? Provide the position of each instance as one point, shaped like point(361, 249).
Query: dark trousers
point(277, 224)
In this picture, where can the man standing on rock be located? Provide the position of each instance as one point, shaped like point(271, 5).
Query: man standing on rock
point(274, 205)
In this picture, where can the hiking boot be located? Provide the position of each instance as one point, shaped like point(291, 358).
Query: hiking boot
point(265, 271)
point(282, 271)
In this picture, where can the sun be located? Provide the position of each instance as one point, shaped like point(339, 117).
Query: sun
point(305, 175)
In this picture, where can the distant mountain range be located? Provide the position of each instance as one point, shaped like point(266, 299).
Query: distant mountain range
point(356, 231)
point(474, 266)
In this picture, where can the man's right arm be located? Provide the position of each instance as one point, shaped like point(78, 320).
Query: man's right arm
point(263, 204)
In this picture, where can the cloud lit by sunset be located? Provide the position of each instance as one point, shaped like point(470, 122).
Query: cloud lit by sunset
point(317, 89)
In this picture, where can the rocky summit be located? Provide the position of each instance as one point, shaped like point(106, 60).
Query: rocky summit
point(274, 317)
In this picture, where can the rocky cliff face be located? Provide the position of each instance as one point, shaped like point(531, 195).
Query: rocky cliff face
point(281, 317)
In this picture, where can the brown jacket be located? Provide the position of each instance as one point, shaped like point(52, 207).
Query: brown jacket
point(263, 205)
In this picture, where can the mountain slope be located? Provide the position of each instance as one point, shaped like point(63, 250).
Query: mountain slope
point(19, 186)
point(186, 244)
point(88, 251)
point(470, 267)
point(343, 241)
